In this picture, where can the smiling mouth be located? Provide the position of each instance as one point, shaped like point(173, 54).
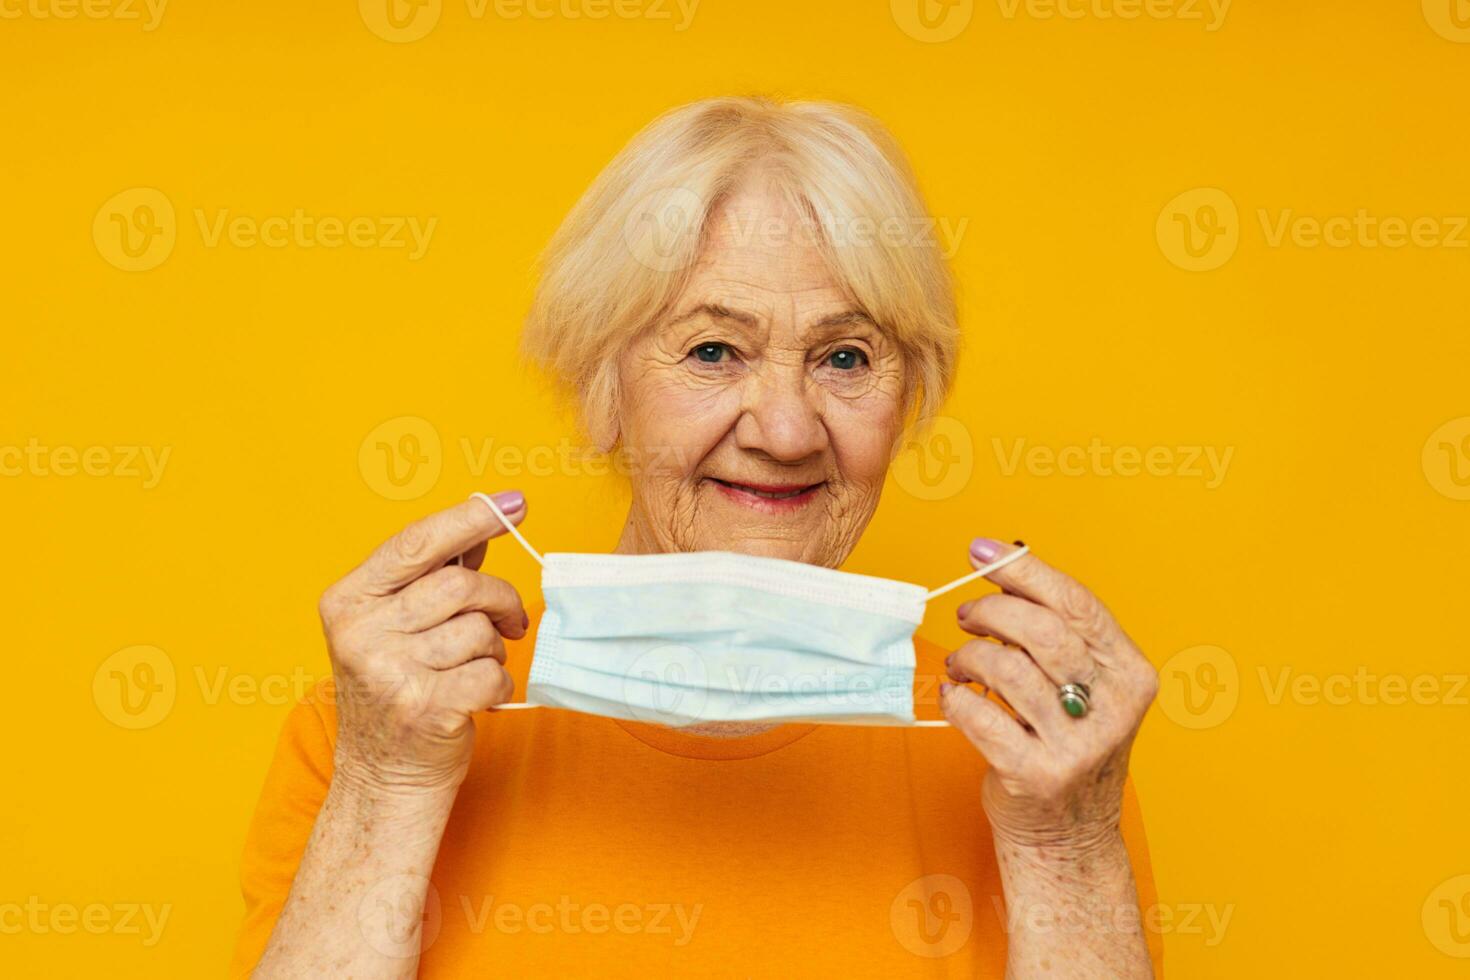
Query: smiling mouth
point(768, 497)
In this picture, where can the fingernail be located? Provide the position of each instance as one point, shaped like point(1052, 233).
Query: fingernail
point(964, 609)
point(945, 688)
point(525, 620)
point(509, 501)
point(984, 550)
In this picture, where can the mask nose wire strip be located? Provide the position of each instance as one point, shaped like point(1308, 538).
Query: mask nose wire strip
point(514, 531)
point(980, 572)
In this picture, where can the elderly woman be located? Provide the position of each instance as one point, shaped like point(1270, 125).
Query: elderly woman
point(746, 306)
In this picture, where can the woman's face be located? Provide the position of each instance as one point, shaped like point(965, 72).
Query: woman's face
point(760, 415)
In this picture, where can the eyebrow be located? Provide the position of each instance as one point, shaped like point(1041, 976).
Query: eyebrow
point(719, 312)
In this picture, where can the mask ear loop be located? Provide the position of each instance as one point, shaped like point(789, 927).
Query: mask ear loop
point(980, 572)
point(515, 533)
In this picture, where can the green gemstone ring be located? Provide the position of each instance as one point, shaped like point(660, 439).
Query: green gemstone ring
point(1076, 699)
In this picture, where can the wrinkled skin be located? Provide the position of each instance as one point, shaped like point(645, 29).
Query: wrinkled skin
point(764, 373)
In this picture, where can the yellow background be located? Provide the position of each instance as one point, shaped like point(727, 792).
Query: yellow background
point(1333, 546)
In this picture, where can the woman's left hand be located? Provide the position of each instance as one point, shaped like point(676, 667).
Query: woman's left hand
point(1054, 781)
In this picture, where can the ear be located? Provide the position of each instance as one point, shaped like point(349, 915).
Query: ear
point(604, 433)
point(600, 413)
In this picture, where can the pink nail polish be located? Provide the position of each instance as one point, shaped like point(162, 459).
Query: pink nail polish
point(984, 550)
point(509, 501)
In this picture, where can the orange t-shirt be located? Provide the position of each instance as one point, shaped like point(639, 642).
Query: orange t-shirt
point(585, 845)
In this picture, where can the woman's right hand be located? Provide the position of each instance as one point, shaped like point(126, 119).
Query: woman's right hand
point(416, 648)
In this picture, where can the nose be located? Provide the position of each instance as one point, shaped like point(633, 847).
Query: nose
point(780, 416)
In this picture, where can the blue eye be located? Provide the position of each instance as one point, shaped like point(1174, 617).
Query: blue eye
point(710, 353)
point(847, 359)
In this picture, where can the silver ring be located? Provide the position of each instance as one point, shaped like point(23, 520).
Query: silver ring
point(1075, 698)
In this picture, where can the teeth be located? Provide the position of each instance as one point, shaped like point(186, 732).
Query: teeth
point(772, 495)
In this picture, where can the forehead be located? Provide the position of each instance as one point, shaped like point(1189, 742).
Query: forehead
point(759, 242)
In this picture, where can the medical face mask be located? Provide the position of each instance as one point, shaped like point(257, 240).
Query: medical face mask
point(697, 637)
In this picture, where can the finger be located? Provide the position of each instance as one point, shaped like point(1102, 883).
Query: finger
point(475, 557)
point(1031, 578)
point(1058, 651)
point(466, 637)
point(477, 686)
point(451, 590)
point(1015, 677)
point(429, 543)
point(988, 726)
